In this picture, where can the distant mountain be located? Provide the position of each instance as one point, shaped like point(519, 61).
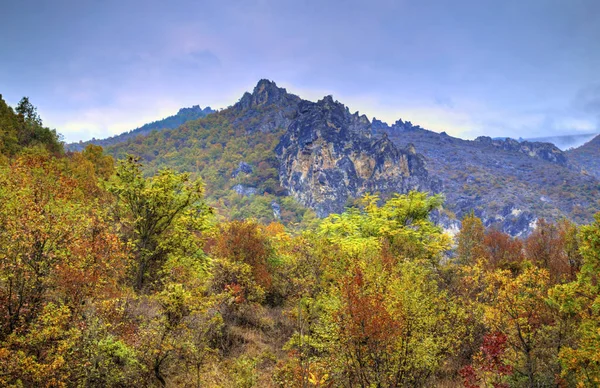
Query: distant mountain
point(183, 115)
point(272, 155)
point(565, 142)
point(587, 156)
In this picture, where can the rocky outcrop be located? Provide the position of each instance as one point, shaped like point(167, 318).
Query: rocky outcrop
point(242, 168)
point(328, 155)
point(267, 109)
point(245, 191)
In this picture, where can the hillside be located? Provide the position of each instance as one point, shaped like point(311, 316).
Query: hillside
point(272, 153)
point(507, 183)
point(183, 115)
point(22, 127)
point(587, 156)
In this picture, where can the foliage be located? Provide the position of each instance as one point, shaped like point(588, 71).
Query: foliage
point(110, 277)
point(23, 127)
point(401, 226)
point(154, 210)
point(580, 299)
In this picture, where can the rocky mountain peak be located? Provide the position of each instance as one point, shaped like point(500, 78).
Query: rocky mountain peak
point(195, 109)
point(268, 108)
point(402, 126)
point(266, 93)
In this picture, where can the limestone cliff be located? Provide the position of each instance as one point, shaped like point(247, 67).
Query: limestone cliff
point(328, 155)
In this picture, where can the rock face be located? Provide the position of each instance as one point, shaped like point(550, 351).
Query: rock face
point(242, 168)
point(245, 191)
point(328, 155)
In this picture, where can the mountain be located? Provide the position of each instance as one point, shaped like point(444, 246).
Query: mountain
point(565, 142)
point(507, 183)
point(273, 155)
point(183, 115)
point(587, 156)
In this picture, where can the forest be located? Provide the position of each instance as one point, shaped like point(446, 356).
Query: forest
point(110, 277)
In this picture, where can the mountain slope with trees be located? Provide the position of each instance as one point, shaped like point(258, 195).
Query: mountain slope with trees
point(183, 115)
point(292, 147)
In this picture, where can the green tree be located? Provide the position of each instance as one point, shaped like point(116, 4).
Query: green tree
point(155, 212)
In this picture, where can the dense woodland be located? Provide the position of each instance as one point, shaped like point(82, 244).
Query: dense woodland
point(110, 277)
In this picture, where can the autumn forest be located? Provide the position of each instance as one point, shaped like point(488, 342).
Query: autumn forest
point(114, 277)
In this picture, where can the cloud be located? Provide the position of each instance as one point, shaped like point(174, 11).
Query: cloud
point(588, 100)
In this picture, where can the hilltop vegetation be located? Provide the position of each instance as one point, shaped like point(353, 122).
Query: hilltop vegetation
point(183, 115)
point(22, 127)
point(120, 274)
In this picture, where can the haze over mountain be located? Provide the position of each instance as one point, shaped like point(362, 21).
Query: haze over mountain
point(324, 157)
point(565, 142)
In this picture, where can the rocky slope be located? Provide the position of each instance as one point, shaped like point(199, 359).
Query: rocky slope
point(507, 183)
point(328, 156)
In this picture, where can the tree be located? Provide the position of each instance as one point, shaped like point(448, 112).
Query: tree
point(470, 240)
point(384, 321)
point(580, 299)
point(60, 260)
point(154, 210)
point(547, 246)
point(28, 112)
point(401, 225)
point(515, 305)
point(502, 251)
point(31, 131)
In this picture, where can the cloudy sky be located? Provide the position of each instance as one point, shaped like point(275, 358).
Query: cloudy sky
point(95, 68)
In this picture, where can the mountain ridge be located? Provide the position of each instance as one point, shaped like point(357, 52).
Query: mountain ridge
point(318, 152)
point(181, 117)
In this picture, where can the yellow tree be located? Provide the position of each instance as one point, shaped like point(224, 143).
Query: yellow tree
point(516, 306)
point(580, 299)
point(383, 319)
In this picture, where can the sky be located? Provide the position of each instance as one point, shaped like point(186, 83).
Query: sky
point(95, 68)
